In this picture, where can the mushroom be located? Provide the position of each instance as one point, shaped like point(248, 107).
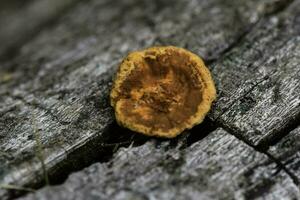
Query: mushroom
point(161, 91)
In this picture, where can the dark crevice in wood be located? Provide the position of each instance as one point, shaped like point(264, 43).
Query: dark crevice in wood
point(277, 7)
point(101, 149)
point(281, 133)
point(200, 132)
point(265, 143)
point(262, 187)
point(264, 149)
point(189, 137)
point(283, 167)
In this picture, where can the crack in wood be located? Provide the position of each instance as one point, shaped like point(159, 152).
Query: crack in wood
point(264, 150)
point(241, 97)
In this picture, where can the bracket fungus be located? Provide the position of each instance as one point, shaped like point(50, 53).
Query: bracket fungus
point(161, 91)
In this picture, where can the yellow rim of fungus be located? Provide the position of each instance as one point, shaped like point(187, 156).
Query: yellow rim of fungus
point(127, 66)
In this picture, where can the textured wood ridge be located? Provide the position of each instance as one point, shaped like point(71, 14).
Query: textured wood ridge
point(259, 80)
point(55, 116)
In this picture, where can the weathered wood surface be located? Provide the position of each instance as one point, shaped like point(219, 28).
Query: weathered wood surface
point(207, 169)
point(259, 80)
point(287, 151)
point(56, 89)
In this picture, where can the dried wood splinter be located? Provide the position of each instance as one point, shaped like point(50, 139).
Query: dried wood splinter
point(162, 91)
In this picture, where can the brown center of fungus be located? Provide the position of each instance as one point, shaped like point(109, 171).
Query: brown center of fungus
point(161, 91)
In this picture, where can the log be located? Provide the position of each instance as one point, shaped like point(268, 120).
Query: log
point(55, 115)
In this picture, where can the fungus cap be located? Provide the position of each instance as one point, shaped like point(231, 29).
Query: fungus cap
point(161, 91)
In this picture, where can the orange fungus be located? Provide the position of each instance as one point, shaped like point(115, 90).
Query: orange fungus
point(161, 91)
